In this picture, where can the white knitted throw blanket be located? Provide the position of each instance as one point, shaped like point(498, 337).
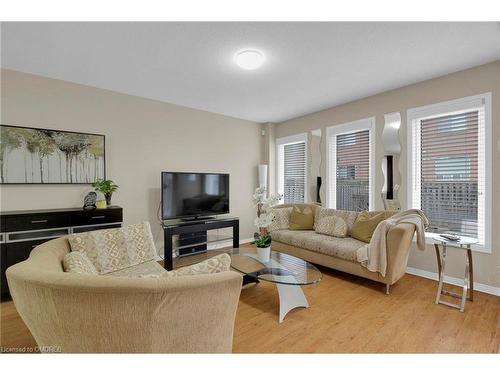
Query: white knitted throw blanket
point(374, 254)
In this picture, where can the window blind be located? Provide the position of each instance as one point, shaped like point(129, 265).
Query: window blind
point(294, 172)
point(353, 171)
point(449, 165)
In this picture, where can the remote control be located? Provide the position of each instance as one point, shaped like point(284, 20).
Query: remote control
point(450, 237)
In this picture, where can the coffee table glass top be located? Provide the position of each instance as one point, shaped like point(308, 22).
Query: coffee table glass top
point(280, 268)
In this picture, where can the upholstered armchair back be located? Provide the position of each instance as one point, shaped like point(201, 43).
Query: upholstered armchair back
point(103, 314)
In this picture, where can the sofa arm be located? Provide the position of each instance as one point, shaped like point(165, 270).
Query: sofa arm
point(398, 249)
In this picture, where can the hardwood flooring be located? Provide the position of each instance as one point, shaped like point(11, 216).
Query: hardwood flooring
point(347, 314)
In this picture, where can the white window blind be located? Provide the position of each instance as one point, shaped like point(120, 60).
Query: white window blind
point(353, 171)
point(292, 171)
point(448, 167)
point(349, 165)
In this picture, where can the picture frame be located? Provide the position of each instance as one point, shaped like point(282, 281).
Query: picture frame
point(34, 156)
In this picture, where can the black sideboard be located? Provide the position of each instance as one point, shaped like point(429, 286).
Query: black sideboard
point(21, 231)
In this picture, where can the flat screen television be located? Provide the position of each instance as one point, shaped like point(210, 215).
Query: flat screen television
point(193, 195)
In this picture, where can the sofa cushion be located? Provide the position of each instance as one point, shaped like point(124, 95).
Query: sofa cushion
point(77, 262)
point(111, 250)
point(147, 269)
point(332, 226)
point(301, 218)
point(366, 222)
point(348, 216)
point(343, 248)
point(281, 218)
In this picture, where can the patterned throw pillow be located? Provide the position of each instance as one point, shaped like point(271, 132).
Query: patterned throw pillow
point(332, 226)
point(348, 216)
point(216, 264)
point(281, 218)
point(77, 262)
point(114, 249)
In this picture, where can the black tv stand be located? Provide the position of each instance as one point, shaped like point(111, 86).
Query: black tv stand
point(197, 218)
point(195, 234)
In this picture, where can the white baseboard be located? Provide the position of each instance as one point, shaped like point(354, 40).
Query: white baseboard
point(453, 280)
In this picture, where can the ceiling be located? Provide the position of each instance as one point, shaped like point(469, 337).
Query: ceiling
point(308, 67)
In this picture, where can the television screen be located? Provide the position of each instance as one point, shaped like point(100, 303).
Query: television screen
point(194, 194)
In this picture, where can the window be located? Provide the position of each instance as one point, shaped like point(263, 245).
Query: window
point(292, 171)
point(350, 165)
point(449, 166)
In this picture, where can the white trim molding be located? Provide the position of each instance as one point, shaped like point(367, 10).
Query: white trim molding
point(331, 160)
point(453, 281)
point(291, 139)
point(481, 102)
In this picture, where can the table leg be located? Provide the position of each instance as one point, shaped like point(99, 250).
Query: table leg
point(168, 261)
point(466, 285)
point(441, 266)
point(471, 274)
point(236, 234)
point(291, 296)
point(438, 256)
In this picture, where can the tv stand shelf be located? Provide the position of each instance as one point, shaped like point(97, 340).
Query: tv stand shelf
point(194, 234)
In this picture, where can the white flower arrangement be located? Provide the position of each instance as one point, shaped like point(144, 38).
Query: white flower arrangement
point(263, 203)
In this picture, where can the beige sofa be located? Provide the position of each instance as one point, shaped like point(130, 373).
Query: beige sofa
point(111, 314)
point(340, 253)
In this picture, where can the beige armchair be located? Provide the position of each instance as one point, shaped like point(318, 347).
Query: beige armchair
point(103, 314)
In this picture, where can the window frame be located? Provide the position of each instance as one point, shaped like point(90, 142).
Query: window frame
point(280, 177)
point(331, 162)
point(473, 102)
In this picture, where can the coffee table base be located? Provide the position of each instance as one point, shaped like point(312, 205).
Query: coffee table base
point(291, 296)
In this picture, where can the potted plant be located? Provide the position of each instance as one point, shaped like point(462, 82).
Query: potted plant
point(264, 219)
point(106, 187)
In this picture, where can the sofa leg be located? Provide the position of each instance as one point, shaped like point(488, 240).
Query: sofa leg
point(387, 288)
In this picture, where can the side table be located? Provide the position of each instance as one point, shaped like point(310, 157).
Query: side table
point(468, 286)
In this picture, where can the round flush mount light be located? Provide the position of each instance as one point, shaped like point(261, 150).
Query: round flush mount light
point(249, 59)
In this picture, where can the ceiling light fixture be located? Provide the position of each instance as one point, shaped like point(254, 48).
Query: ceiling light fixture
point(249, 59)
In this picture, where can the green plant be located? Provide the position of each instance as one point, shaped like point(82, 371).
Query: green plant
point(263, 240)
point(104, 186)
point(107, 187)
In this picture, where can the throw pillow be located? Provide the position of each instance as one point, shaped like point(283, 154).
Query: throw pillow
point(332, 226)
point(115, 249)
point(348, 216)
point(216, 264)
point(365, 225)
point(77, 262)
point(281, 218)
point(301, 219)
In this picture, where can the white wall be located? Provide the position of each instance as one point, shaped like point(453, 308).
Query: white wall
point(143, 138)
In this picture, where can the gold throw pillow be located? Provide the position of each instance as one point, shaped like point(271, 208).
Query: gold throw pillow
point(365, 225)
point(301, 219)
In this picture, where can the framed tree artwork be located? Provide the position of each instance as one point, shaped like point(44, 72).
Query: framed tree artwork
point(46, 156)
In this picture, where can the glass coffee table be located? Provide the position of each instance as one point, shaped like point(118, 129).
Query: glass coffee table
point(287, 272)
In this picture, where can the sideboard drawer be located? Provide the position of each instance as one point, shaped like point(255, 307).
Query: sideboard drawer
point(92, 217)
point(19, 251)
point(36, 221)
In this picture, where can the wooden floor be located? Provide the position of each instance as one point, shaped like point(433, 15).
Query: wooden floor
point(347, 314)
